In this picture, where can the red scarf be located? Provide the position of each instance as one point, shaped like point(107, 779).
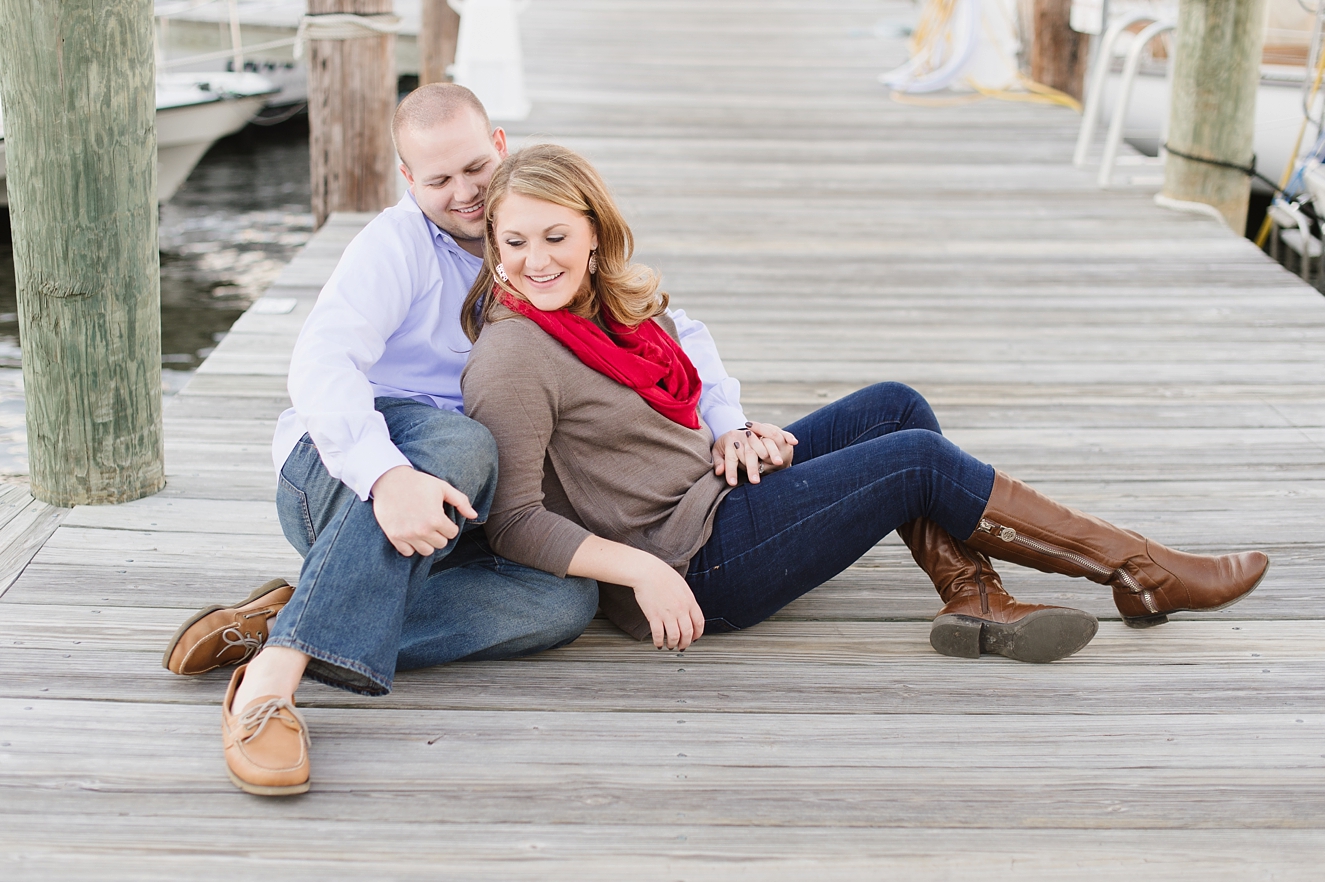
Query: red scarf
point(644, 359)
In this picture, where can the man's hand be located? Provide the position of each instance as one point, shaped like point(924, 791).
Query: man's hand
point(758, 444)
point(410, 509)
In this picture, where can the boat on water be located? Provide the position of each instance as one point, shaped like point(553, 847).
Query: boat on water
point(193, 111)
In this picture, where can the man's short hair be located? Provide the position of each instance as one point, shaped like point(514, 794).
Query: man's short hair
point(434, 103)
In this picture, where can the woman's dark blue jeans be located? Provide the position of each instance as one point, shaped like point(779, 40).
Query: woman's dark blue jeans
point(865, 465)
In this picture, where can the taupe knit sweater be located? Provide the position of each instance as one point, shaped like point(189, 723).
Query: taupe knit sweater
point(578, 453)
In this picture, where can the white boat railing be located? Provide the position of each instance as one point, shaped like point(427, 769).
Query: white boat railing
point(1114, 139)
point(236, 51)
point(1099, 76)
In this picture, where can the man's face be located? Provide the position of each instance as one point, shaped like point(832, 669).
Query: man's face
point(448, 167)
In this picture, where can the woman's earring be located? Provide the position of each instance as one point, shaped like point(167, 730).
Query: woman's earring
point(593, 261)
point(501, 273)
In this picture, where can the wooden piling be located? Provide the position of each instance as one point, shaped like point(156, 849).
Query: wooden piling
point(78, 87)
point(351, 96)
point(1216, 70)
point(438, 33)
point(1058, 53)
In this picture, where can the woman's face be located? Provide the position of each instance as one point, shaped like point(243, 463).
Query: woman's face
point(544, 249)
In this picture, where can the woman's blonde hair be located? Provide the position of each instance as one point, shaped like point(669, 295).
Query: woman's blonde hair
point(626, 291)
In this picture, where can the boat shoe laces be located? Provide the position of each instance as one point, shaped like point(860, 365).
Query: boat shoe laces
point(232, 636)
point(254, 719)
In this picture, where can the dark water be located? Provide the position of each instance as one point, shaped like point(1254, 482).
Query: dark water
point(225, 235)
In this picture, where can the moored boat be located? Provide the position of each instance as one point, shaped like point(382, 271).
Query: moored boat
point(193, 111)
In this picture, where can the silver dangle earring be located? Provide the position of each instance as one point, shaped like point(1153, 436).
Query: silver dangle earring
point(501, 273)
point(593, 261)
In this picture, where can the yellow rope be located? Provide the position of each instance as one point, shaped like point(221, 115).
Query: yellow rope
point(1055, 96)
point(1036, 93)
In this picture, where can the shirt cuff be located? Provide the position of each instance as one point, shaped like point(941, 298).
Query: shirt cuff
point(369, 460)
point(722, 418)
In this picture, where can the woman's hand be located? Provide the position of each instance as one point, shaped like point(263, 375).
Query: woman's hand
point(760, 448)
point(662, 594)
point(668, 603)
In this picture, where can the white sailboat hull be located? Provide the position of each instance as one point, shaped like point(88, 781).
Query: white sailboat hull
point(184, 134)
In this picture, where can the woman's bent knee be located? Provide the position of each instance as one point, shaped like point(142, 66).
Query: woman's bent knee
point(925, 451)
point(912, 407)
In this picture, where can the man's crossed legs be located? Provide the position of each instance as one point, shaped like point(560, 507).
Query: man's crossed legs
point(362, 610)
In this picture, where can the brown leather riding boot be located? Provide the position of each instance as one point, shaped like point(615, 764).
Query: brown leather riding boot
point(1149, 580)
point(980, 616)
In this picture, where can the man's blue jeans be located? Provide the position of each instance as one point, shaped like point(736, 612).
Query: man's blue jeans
point(864, 466)
point(362, 610)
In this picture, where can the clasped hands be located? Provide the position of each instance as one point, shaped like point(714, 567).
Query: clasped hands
point(759, 448)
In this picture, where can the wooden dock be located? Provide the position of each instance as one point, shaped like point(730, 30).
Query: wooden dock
point(1151, 367)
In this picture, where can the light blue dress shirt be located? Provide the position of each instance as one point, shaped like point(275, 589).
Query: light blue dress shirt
point(387, 324)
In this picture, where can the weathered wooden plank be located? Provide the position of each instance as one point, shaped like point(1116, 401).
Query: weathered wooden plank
point(863, 372)
point(13, 499)
point(247, 363)
point(650, 682)
point(185, 587)
point(234, 386)
point(23, 535)
point(115, 548)
point(220, 409)
point(881, 743)
point(181, 515)
point(135, 846)
point(1054, 398)
point(198, 484)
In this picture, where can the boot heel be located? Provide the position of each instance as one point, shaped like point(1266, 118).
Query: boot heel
point(957, 636)
point(1145, 621)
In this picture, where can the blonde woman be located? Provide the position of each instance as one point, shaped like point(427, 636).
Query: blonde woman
point(605, 468)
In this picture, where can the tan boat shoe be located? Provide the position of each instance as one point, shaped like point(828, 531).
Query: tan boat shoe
point(266, 744)
point(226, 635)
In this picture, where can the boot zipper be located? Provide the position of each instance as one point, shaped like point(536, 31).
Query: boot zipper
point(980, 583)
point(1007, 534)
point(978, 576)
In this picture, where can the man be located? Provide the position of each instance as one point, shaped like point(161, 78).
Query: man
point(380, 472)
point(380, 475)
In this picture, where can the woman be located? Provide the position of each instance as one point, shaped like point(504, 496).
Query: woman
point(605, 469)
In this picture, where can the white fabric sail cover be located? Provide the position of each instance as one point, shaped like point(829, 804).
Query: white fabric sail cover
point(965, 45)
